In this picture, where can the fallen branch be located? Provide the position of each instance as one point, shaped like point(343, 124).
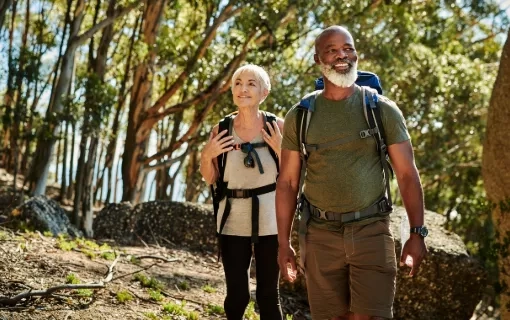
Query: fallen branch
point(157, 258)
point(48, 292)
point(109, 275)
point(131, 273)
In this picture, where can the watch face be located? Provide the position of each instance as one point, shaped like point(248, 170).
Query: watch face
point(424, 231)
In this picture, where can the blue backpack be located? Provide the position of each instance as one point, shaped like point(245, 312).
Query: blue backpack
point(371, 89)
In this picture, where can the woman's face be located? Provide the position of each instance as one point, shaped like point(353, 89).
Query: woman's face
point(247, 91)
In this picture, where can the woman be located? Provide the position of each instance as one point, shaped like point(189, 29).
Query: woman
point(246, 219)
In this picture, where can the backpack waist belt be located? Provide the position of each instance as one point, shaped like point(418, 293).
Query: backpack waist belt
point(380, 207)
point(244, 194)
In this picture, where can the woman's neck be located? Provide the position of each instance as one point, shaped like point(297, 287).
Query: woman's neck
point(248, 118)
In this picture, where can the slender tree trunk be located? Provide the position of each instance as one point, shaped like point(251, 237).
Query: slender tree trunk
point(496, 157)
point(4, 6)
point(20, 107)
point(70, 188)
point(111, 149)
point(63, 182)
point(8, 96)
point(87, 204)
point(136, 144)
point(193, 188)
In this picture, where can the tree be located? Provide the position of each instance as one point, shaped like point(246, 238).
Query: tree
point(496, 157)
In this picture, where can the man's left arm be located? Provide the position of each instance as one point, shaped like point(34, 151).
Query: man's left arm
point(408, 179)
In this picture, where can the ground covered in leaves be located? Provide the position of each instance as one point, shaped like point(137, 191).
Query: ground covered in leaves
point(46, 277)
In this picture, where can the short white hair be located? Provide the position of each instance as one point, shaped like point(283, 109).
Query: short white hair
point(259, 72)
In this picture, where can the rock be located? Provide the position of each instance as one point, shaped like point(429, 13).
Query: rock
point(162, 222)
point(43, 214)
point(115, 221)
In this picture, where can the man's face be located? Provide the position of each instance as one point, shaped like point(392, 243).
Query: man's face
point(337, 58)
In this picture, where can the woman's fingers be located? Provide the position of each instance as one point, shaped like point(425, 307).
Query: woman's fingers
point(270, 128)
point(276, 128)
point(221, 134)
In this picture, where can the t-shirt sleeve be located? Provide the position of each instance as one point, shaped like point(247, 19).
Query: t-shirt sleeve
point(393, 121)
point(290, 140)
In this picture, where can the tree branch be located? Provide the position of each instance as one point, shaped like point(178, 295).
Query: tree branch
point(226, 14)
point(48, 292)
point(82, 38)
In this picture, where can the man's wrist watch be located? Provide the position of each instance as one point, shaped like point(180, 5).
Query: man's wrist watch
point(421, 230)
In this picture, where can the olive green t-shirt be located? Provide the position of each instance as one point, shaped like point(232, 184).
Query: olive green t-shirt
point(347, 177)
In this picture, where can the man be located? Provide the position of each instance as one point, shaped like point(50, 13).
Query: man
point(350, 267)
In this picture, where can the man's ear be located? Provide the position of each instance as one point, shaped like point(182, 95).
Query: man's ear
point(316, 58)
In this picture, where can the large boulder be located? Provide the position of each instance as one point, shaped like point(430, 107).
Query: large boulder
point(162, 222)
point(115, 221)
point(448, 286)
point(43, 214)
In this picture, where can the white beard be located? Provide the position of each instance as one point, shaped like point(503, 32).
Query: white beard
point(343, 80)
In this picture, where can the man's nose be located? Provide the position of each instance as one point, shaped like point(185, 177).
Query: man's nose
point(341, 54)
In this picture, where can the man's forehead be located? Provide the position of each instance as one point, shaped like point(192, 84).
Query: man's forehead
point(334, 36)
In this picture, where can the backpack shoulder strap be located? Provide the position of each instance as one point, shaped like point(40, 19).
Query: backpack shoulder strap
point(373, 117)
point(225, 124)
point(270, 117)
point(305, 108)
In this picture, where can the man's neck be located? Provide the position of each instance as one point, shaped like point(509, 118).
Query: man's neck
point(332, 92)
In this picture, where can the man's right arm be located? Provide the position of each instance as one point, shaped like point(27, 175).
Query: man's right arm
point(287, 189)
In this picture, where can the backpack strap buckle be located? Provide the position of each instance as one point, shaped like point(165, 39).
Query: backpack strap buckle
point(322, 213)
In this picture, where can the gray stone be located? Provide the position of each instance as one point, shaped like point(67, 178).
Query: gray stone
point(162, 222)
point(448, 286)
point(115, 221)
point(43, 214)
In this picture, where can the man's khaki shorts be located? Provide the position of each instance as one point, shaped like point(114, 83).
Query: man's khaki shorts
point(352, 270)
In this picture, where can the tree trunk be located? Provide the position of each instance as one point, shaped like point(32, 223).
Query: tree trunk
point(496, 157)
point(8, 96)
point(63, 182)
point(4, 5)
point(111, 149)
point(87, 204)
point(70, 193)
point(136, 143)
point(20, 107)
point(193, 178)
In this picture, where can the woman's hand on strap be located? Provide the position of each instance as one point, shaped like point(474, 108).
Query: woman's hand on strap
point(217, 145)
point(274, 137)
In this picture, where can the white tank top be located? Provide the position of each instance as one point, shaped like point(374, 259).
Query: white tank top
point(238, 176)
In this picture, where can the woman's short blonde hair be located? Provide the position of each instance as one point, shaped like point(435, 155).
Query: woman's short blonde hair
point(259, 72)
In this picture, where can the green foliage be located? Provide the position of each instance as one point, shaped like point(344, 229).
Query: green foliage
point(124, 296)
point(183, 285)
point(179, 310)
point(48, 234)
point(209, 289)
point(148, 282)
point(84, 292)
point(215, 309)
point(72, 279)
point(250, 313)
point(155, 295)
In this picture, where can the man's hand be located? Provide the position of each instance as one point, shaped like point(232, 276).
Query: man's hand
point(416, 249)
point(287, 262)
